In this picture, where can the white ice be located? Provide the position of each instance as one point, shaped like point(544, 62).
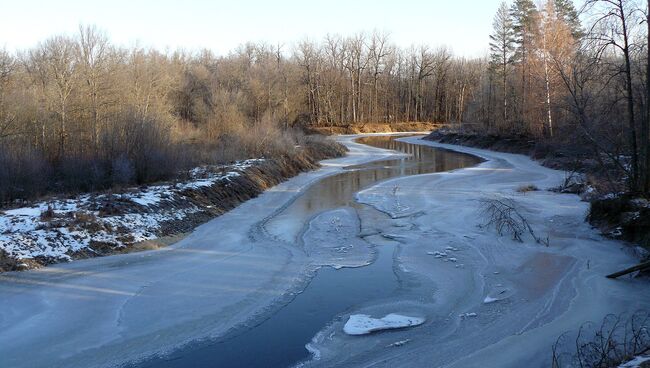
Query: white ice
point(363, 324)
point(636, 362)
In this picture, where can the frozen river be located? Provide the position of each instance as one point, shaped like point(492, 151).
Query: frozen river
point(279, 340)
point(392, 228)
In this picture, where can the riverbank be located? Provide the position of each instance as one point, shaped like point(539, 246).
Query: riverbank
point(144, 218)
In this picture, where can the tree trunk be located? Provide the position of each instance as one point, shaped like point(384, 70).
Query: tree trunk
point(548, 86)
point(634, 184)
point(645, 130)
point(639, 267)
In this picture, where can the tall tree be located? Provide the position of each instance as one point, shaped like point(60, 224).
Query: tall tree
point(555, 44)
point(93, 49)
point(378, 50)
point(565, 10)
point(7, 72)
point(502, 48)
point(61, 64)
point(645, 130)
point(614, 29)
point(525, 19)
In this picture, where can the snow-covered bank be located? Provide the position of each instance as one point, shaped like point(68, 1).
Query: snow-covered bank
point(636, 362)
point(489, 301)
point(58, 230)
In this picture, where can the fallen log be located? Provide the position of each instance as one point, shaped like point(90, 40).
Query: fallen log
point(639, 267)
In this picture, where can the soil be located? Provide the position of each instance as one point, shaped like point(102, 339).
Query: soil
point(375, 128)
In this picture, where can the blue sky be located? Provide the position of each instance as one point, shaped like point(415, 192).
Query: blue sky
point(222, 25)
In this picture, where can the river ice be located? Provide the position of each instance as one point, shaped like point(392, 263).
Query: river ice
point(541, 292)
point(107, 311)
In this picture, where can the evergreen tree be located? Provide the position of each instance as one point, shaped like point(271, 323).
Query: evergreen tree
point(525, 19)
point(502, 47)
point(525, 24)
point(566, 11)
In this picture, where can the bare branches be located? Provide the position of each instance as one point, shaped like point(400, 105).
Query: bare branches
point(617, 339)
point(503, 215)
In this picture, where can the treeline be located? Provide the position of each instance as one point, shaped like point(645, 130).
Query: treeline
point(79, 113)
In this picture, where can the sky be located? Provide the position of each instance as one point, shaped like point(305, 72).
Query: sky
point(221, 26)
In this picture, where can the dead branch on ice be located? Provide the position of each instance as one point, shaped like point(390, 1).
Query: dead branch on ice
point(502, 213)
point(639, 267)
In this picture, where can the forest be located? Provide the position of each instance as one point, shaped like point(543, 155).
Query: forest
point(78, 113)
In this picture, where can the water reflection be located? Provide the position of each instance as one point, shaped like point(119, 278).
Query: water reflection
point(339, 190)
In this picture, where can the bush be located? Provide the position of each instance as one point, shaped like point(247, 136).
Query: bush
point(142, 152)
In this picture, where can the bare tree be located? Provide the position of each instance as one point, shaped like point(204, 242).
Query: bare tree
point(93, 50)
point(7, 74)
point(378, 51)
point(61, 64)
point(613, 29)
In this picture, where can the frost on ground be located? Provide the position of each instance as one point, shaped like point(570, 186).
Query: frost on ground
point(64, 229)
point(363, 324)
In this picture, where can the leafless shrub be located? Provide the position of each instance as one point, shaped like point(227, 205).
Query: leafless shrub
point(527, 188)
point(573, 183)
point(47, 214)
point(503, 215)
point(616, 340)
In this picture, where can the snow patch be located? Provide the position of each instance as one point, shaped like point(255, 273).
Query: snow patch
point(363, 324)
point(58, 228)
point(636, 362)
point(468, 315)
point(399, 343)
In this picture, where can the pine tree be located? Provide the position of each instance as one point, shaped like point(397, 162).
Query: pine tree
point(525, 19)
point(566, 10)
point(525, 24)
point(502, 47)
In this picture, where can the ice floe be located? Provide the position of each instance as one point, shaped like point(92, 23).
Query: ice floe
point(363, 324)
